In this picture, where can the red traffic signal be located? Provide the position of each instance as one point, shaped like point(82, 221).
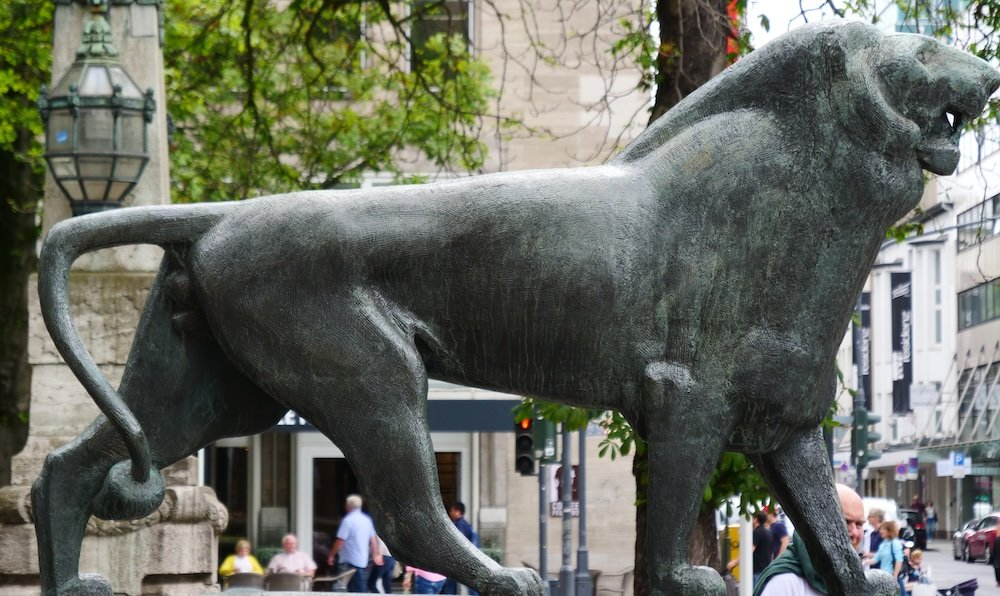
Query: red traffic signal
point(524, 447)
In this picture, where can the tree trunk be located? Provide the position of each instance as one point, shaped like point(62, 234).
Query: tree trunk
point(705, 540)
point(693, 48)
point(20, 189)
point(693, 39)
point(640, 465)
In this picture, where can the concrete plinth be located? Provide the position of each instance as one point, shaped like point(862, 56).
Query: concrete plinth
point(171, 552)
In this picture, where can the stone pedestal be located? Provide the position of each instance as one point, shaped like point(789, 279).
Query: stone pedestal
point(172, 551)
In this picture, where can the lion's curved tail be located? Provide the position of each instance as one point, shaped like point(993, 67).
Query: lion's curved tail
point(68, 240)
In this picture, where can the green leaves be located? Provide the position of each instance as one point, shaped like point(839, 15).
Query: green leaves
point(25, 65)
point(314, 95)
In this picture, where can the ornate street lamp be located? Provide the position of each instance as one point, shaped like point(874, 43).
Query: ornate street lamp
point(96, 123)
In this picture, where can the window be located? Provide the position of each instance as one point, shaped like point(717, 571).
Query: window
point(435, 23)
point(977, 224)
point(979, 304)
point(336, 42)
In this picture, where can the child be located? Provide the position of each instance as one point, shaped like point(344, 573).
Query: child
point(915, 573)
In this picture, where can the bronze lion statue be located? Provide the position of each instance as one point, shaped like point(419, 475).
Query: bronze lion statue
point(700, 283)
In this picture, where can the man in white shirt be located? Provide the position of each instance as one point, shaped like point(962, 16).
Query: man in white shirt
point(793, 573)
point(291, 560)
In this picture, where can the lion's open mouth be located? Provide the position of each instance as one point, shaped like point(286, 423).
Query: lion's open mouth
point(938, 151)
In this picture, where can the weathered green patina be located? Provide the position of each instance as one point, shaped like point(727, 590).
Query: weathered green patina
point(700, 283)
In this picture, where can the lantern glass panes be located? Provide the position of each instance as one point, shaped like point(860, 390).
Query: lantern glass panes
point(97, 126)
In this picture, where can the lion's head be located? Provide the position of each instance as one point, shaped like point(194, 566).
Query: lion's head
point(902, 95)
point(915, 94)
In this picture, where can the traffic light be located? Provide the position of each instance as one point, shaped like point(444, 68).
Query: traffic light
point(872, 437)
point(524, 447)
point(863, 439)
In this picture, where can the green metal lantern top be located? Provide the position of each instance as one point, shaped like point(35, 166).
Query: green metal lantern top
point(97, 78)
point(97, 42)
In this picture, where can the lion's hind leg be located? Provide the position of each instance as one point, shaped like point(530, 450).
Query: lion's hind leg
point(365, 387)
point(185, 394)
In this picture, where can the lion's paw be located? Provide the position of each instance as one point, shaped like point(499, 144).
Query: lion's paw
point(879, 583)
point(694, 580)
point(88, 584)
point(514, 581)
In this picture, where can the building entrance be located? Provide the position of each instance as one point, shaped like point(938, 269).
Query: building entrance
point(324, 479)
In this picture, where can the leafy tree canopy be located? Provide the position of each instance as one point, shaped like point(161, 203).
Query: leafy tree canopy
point(308, 94)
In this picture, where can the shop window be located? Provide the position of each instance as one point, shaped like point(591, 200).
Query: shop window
point(227, 471)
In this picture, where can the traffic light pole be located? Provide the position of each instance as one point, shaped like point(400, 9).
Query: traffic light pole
point(584, 585)
point(567, 585)
point(543, 526)
point(859, 405)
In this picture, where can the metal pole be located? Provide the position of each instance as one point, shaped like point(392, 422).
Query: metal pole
point(584, 585)
point(746, 557)
point(543, 526)
point(566, 585)
point(859, 403)
point(958, 496)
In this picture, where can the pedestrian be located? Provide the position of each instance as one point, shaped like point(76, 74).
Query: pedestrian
point(382, 572)
point(872, 538)
point(792, 574)
point(931, 520)
point(423, 581)
point(761, 544)
point(457, 514)
point(779, 533)
point(915, 572)
point(889, 557)
point(356, 544)
point(995, 561)
point(291, 559)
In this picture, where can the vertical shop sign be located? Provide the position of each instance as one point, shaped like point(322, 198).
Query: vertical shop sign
point(902, 344)
point(863, 345)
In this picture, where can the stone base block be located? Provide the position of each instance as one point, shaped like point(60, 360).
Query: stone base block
point(164, 559)
point(171, 552)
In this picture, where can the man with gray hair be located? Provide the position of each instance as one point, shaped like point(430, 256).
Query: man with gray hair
point(356, 543)
point(291, 559)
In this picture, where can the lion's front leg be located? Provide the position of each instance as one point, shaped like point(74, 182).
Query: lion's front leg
point(799, 474)
point(686, 432)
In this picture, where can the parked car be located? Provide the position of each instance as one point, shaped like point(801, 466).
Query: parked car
point(980, 543)
point(958, 538)
point(917, 526)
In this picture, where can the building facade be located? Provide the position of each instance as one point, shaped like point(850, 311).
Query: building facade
point(929, 346)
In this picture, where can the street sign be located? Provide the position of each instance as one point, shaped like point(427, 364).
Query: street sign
point(901, 473)
point(960, 464)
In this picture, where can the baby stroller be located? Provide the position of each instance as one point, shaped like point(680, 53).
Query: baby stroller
point(966, 588)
